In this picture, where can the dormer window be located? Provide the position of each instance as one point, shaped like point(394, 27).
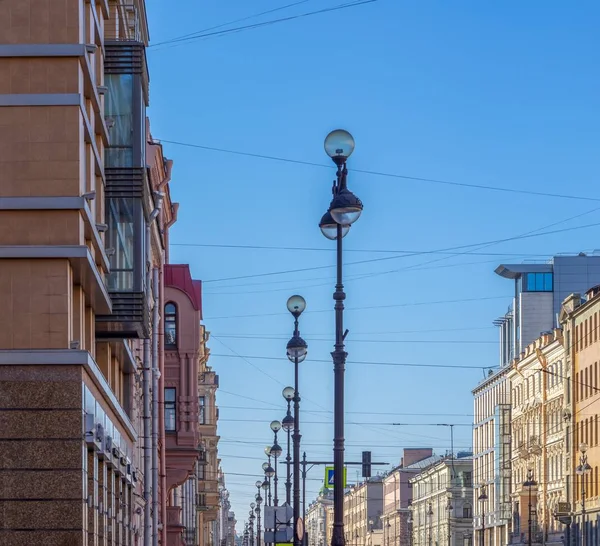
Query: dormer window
point(170, 324)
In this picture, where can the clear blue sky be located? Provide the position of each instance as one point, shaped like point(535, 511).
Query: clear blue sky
point(487, 93)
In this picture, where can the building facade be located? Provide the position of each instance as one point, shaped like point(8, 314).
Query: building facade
point(86, 209)
point(442, 503)
point(580, 321)
point(492, 459)
point(397, 496)
point(538, 441)
point(363, 510)
point(317, 518)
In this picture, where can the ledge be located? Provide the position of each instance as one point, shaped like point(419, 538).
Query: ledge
point(84, 268)
point(61, 203)
point(69, 357)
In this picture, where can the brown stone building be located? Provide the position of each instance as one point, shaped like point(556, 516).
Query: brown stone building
point(85, 211)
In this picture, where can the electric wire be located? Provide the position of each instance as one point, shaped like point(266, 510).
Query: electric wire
point(374, 260)
point(203, 35)
point(385, 174)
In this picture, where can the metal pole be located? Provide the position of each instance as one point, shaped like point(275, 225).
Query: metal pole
point(583, 505)
point(483, 525)
point(258, 529)
point(276, 498)
point(339, 361)
point(296, 439)
point(288, 459)
point(269, 478)
point(304, 491)
point(529, 520)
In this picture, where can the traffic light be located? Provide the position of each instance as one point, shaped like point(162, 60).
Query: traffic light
point(366, 464)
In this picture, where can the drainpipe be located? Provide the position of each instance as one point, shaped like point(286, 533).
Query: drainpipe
point(155, 378)
point(147, 414)
point(150, 397)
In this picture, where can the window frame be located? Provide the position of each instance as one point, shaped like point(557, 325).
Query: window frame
point(170, 408)
point(171, 318)
point(202, 410)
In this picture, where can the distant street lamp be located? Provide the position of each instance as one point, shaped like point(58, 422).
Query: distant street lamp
point(529, 483)
point(430, 516)
point(482, 498)
point(269, 473)
point(276, 451)
point(259, 500)
point(583, 470)
point(449, 507)
point(345, 208)
point(287, 424)
point(296, 352)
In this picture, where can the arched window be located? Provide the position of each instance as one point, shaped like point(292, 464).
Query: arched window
point(170, 324)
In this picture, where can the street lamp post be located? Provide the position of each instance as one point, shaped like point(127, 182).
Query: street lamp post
point(583, 470)
point(296, 353)
point(529, 483)
point(449, 507)
point(251, 518)
point(287, 424)
point(482, 498)
point(276, 451)
point(259, 500)
point(269, 473)
point(344, 210)
point(430, 517)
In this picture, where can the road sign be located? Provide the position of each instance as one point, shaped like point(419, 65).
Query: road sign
point(329, 477)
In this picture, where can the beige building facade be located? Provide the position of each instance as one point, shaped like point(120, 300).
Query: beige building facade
point(442, 503)
point(539, 443)
point(363, 511)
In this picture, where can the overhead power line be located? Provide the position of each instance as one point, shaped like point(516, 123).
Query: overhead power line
point(202, 35)
point(385, 174)
point(389, 306)
point(364, 362)
point(373, 260)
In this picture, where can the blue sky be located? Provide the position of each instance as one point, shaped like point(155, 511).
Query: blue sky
point(500, 94)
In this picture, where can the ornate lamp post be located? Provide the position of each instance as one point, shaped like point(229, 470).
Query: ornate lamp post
point(430, 516)
point(259, 500)
point(287, 424)
point(344, 210)
point(251, 519)
point(583, 470)
point(296, 352)
point(269, 473)
point(276, 451)
point(529, 483)
point(449, 507)
point(482, 498)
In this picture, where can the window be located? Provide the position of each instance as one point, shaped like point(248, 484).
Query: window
point(539, 282)
point(467, 511)
point(121, 216)
point(170, 324)
point(170, 410)
point(202, 410)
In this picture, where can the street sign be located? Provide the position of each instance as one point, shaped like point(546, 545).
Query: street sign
point(329, 477)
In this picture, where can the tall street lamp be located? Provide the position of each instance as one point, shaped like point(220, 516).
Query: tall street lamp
point(529, 483)
point(251, 519)
point(449, 507)
point(583, 470)
point(482, 498)
point(296, 352)
point(345, 208)
point(259, 500)
point(276, 451)
point(269, 473)
point(430, 517)
point(287, 424)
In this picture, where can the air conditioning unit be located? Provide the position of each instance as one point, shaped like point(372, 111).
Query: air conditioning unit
point(91, 433)
point(105, 448)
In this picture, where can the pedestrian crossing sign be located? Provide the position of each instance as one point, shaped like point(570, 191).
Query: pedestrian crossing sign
point(329, 477)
